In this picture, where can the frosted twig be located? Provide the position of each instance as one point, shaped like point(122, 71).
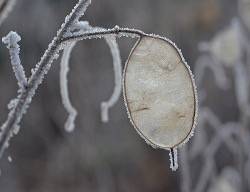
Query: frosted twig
point(82, 25)
point(101, 33)
point(25, 97)
point(69, 125)
point(5, 8)
point(173, 159)
point(118, 79)
point(11, 40)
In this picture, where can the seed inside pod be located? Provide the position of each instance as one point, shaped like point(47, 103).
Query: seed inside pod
point(159, 93)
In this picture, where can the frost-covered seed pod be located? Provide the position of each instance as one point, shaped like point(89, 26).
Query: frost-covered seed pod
point(159, 93)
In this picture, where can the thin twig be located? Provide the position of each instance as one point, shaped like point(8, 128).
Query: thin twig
point(102, 33)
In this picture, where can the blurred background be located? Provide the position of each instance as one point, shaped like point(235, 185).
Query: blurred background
point(112, 157)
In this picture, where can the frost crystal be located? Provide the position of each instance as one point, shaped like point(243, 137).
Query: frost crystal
point(11, 40)
point(84, 25)
point(12, 104)
point(173, 159)
point(16, 129)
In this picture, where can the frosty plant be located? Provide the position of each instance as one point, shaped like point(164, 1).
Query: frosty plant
point(158, 86)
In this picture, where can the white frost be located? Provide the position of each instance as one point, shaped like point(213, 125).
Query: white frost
point(11, 40)
point(173, 159)
point(118, 79)
point(69, 125)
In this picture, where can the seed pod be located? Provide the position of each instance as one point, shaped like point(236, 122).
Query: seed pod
point(159, 93)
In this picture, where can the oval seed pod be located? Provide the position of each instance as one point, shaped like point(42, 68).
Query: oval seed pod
point(159, 93)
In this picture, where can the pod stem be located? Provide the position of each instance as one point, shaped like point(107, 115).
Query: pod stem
point(173, 159)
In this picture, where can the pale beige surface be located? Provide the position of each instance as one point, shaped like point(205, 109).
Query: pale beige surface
point(159, 93)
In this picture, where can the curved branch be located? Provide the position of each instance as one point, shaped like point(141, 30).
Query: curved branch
point(70, 123)
point(105, 105)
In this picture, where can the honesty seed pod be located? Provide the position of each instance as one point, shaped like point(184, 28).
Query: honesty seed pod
point(160, 94)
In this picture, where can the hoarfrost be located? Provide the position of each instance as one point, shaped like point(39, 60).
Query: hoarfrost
point(69, 125)
point(12, 104)
point(173, 159)
point(16, 129)
point(11, 40)
point(118, 78)
point(84, 25)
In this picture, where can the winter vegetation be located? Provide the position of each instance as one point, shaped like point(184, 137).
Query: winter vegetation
point(98, 152)
point(169, 135)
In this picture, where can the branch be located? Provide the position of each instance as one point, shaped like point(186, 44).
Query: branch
point(25, 97)
point(101, 33)
point(11, 40)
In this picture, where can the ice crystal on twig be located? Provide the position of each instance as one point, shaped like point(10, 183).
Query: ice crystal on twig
point(173, 159)
point(12, 40)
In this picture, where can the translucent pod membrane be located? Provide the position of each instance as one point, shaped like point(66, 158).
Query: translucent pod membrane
point(160, 94)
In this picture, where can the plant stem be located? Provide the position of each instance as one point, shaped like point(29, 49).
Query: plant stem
point(102, 33)
point(36, 78)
